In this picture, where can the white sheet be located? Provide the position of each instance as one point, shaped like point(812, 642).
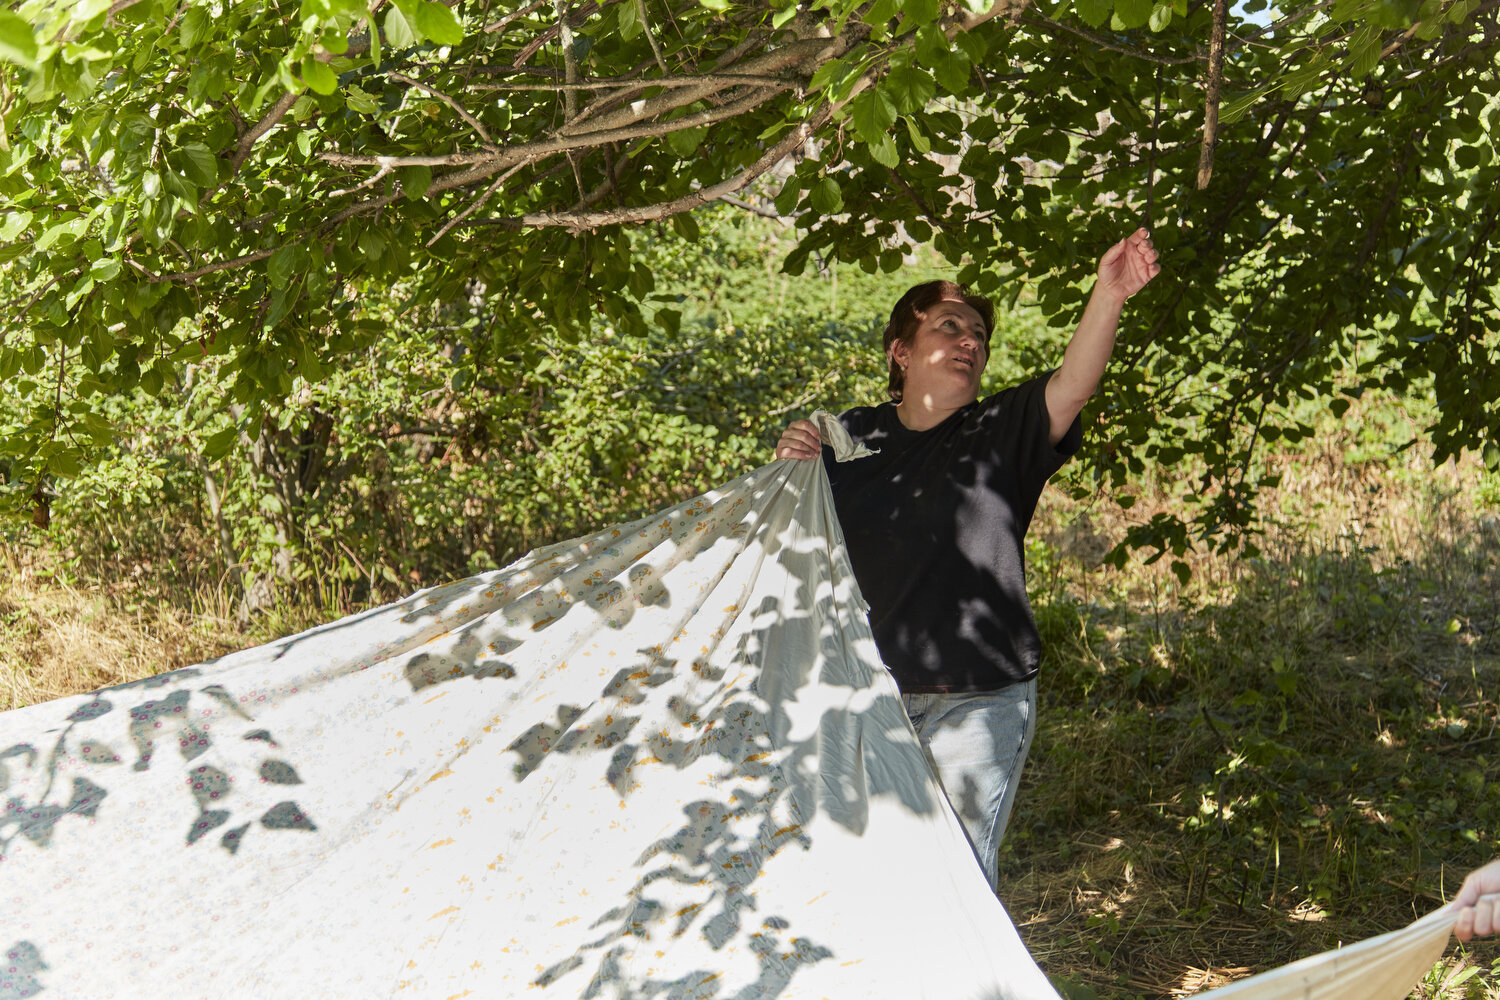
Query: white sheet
point(663, 761)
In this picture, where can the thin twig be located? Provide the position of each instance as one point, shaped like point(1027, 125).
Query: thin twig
point(640, 13)
point(371, 182)
point(1151, 159)
point(926, 209)
point(740, 203)
point(1053, 27)
point(621, 83)
point(249, 258)
point(508, 18)
point(472, 121)
point(583, 12)
point(474, 205)
point(39, 293)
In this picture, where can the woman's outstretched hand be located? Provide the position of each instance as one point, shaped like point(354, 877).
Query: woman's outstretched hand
point(1479, 898)
point(800, 440)
point(1128, 266)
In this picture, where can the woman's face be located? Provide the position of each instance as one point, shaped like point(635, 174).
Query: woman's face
point(946, 356)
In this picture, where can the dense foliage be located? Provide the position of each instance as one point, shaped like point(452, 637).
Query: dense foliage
point(249, 194)
point(430, 456)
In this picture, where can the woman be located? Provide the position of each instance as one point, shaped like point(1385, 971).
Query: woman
point(935, 521)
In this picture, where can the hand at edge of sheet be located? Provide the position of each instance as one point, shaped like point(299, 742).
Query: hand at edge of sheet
point(1478, 903)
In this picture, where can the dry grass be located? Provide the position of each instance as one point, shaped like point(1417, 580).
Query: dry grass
point(57, 639)
point(60, 635)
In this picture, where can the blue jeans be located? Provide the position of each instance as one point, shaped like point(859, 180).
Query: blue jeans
point(977, 743)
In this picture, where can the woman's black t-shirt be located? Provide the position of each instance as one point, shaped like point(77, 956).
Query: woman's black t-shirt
point(935, 524)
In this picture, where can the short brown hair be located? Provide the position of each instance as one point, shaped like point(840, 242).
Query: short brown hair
point(906, 316)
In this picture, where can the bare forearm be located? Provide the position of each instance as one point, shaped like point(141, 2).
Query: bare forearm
point(1084, 360)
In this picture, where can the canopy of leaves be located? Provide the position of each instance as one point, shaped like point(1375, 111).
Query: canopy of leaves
point(233, 180)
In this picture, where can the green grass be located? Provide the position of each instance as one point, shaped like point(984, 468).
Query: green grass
point(1290, 752)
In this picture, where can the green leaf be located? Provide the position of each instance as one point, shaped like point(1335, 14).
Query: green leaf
point(918, 13)
point(884, 152)
point(64, 464)
point(952, 72)
point(881, 12)
point(972, 45)
point(318, 76)
point(873, 114)
point(16, 221)
point(375, 57)
point(686, 226)
point(196, 25)
point(219, 443)
point(919, 140)
point(685, 141)
point(1233, 110)
point(786, 199)
point(78, 292)
point(69, 230)
point(285, 262)
point(17, 41)
point(1161, 17)
point(1365, 55)
point(360, 100)
point(826, 197)
point(1130, 14)
point(912, 87)
point(198, 164)
point(1093, 12)
point(438, 22)
point(398, 30)
point(782, 16)
point(415, 180)
point(372, 245)
point(629, 20)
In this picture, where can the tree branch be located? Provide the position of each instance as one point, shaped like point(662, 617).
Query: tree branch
point(223, 265)
point(578, 221)
point(570, 64)
point(583, 12)
point(1211, 98)
point(250, 138)
point(804, 54)
point(488, 162)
